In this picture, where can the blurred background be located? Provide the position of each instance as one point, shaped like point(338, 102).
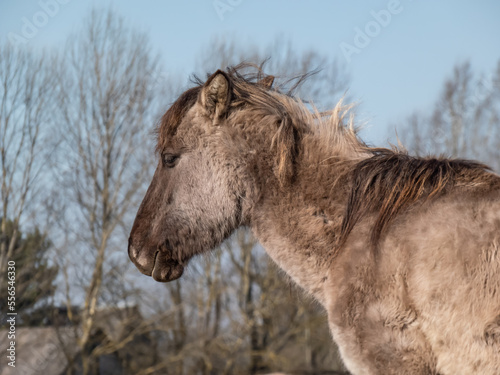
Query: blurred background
point(82, 85)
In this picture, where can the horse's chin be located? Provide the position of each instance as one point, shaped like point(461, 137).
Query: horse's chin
point(166, 269)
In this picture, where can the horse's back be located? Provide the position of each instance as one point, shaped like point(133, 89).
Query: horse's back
point(454, 281)
point(428, 300)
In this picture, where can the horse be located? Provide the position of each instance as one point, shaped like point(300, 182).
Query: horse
point(401, 251)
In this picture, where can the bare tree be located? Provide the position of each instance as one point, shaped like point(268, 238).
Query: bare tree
point(27, 85)
point(465, 121)
point(106, 108)
point(285, 331)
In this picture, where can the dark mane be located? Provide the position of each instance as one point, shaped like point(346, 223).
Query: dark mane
point(390, 182)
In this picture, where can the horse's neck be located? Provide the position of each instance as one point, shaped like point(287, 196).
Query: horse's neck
point(298, 225)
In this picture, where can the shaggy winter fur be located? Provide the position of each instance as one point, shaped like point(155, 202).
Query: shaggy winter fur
point(402, 252)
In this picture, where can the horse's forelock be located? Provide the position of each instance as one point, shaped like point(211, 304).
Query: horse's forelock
point(170, 121)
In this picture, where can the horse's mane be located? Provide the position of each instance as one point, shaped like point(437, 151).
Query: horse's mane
point(391, 181)
point(383, 181)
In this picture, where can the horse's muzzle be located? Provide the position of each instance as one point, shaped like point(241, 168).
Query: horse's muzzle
point(155, 263)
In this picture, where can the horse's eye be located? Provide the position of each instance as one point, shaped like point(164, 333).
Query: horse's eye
point(169, 160)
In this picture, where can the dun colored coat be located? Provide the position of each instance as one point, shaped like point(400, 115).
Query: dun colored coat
point(402, 252)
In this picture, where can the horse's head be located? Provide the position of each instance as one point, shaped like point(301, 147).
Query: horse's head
point(203, 186)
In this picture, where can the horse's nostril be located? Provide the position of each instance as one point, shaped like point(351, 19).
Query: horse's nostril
point(132, 251)
point(143, 260)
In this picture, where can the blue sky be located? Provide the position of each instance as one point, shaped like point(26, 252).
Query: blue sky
point(401, 68)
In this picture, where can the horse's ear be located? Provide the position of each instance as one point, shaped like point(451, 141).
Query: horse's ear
point(215, 95)
point(266, 82)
